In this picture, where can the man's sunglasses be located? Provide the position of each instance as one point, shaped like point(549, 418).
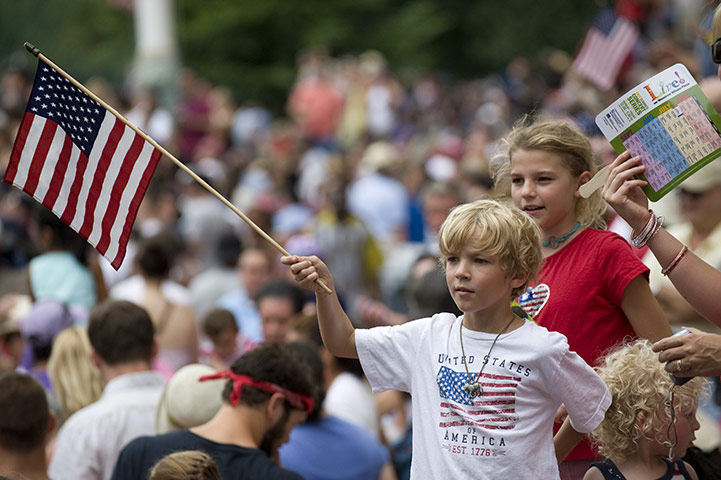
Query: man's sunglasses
point(716, 51)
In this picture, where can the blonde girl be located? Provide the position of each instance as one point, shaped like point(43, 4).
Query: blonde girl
point(592, 288)
point(639, 429)
point(75, 379)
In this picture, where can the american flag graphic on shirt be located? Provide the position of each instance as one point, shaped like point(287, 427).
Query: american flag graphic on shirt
point(494, 410)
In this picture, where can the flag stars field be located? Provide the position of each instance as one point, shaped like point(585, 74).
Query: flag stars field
point(82, 162)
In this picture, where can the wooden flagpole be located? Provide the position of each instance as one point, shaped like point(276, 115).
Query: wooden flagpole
point(35, 51)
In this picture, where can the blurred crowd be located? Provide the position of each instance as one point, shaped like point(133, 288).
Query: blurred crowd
point(361, 169)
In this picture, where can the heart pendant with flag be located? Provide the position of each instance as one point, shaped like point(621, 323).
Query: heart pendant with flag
point(534, 300)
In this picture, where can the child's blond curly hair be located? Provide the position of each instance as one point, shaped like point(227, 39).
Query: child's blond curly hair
point(186, 465)
point(570, 145)
point(497, 229)
point(639, 387)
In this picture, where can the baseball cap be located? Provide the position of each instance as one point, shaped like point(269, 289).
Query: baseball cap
point(46, 318)
point(186, 402)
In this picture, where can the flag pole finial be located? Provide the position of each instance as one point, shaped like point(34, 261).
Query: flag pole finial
point(32, 48)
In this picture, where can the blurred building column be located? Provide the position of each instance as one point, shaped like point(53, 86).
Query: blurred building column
point(157, 59)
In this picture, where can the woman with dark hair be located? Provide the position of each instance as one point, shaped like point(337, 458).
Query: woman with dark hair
point(165, 301)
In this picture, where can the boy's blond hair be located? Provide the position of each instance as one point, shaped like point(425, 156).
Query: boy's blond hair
point(497, 229)
point(639, 387)
point(570, 145)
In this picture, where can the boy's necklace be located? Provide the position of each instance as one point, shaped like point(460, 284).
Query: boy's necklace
point(473, 388)
point(554, 242)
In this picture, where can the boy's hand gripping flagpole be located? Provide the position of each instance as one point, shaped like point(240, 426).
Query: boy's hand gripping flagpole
point(35, 51)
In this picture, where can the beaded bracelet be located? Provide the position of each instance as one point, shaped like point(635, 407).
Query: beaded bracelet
point(652, 226)
point(666, 271)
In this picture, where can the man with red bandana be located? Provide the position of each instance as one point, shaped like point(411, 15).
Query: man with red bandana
point(268, 392)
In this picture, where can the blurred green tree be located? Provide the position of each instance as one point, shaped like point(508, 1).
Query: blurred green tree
point(251, 46)
point(85, 37)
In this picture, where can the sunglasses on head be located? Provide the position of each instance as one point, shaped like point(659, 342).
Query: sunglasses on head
point(716, 51)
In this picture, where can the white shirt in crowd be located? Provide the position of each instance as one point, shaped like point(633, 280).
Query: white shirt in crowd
point(89, 442)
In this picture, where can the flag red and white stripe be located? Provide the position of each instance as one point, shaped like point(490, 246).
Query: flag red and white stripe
point(82, 162)
point(607, 44)
point(494, 410)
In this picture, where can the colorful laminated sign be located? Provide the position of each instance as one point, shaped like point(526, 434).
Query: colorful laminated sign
point(669, 122)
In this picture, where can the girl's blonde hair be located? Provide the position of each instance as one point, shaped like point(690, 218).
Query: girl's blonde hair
point(570, 145)
point(75, 379)
point(490, 226)
point(185, 465)
point(639, 387)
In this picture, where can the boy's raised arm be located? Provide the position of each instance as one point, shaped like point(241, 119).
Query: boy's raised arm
point(335, 327)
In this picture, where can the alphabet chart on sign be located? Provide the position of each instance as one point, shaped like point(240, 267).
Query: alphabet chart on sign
point(669, 122)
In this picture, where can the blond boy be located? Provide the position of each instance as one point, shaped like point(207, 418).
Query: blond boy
point(487, 384)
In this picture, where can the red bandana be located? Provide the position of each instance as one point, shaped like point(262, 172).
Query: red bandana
point(297, 400)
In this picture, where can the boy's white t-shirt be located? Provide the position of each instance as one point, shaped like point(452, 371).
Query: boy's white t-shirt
point(507, 432)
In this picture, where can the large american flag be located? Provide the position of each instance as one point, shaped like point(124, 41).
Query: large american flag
point(82, 162)
point(494, 410)
point(607, 44)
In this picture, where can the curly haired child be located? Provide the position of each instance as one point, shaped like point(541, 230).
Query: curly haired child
point(640, 432)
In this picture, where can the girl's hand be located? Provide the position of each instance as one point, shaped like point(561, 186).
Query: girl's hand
point(623, 191)
point(306, 270)
point(561, 414)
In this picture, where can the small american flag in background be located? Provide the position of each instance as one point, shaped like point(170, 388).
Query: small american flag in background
point(494, 410)
point(607, 44)
point(83, 163)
